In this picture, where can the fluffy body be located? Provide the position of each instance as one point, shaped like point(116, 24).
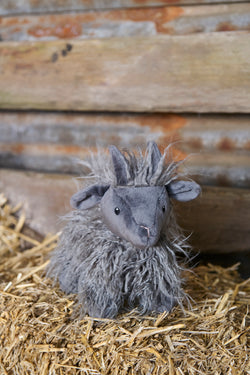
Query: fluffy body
point(108, 273)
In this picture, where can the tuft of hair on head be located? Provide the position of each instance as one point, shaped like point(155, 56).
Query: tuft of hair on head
point(126, 168)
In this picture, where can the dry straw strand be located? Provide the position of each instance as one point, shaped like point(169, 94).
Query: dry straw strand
point(41, 335)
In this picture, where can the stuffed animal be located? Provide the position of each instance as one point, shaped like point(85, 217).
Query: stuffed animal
point(118, 250)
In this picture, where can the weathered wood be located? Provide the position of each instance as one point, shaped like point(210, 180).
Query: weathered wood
point(52, 142)
point(44, 197)
point(215, 133)
point(194, 133)
point(127, 22)
point(220, 145)
point(220, 169)
point(88, 129)
point(202, 73)
point(8, 7)
point(217, 170)
point(219, 219)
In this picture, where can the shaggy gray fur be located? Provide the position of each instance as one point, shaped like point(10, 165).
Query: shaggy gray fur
point(106, 270)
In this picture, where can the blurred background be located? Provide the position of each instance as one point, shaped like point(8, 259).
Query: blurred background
point(75, 74)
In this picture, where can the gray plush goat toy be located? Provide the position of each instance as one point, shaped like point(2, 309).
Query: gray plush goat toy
point(118, 249)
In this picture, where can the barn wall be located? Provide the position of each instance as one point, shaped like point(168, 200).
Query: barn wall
point(80, 74)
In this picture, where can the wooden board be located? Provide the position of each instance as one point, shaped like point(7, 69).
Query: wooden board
point(174, 20)
point(216, 170)
point(194, 133)
point(219, 218)
point(202, 73)
point(220, 169)
point(44, 197)
point(33, 6)
point(227, 134)
point(51, 142)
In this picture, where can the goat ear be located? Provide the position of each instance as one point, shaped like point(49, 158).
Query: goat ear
point(88, 197)
point(120, 165)
point(183, 191)
point(154, 154)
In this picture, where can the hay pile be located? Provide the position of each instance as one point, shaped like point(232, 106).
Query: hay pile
point(39, 336)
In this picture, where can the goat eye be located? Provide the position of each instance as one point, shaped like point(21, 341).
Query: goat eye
point(163, 208)
point(117, 210)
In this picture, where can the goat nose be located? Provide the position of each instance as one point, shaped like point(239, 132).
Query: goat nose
point(146, 229)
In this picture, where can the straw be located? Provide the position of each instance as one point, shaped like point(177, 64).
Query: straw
point(40, 331)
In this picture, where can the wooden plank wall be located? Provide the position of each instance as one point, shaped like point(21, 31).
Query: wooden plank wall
point(136, 74)
point(124, 72)
point(171, 20)
point(211, 217)
point(33, 6)
point(51, 142)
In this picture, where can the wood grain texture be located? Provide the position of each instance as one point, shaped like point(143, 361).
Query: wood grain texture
point(215, 170)
point(206, 168)
point(8, 7)
point(228, 134)
point(88, 129)
point(174, 20)
point(44, 197)
point(220, 169)
point(219, 218)
point(194, 133)
point(202, 73)
point(51, 142)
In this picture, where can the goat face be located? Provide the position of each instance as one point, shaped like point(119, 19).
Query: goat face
point(136, 214)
